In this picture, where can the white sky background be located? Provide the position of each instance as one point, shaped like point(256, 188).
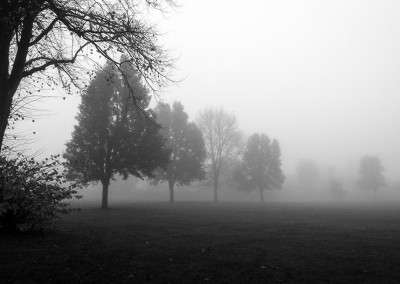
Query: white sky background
point(323, 77)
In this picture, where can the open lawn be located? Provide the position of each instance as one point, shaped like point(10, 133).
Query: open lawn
point(214, 243)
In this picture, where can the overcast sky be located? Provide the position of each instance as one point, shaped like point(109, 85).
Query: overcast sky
point(322, 77)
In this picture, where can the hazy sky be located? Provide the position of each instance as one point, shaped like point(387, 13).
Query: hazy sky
point(323, 77)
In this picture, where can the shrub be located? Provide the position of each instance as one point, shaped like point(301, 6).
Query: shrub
point(33, 193)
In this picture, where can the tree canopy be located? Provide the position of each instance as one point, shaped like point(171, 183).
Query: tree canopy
point(371, 174)
point(261, 165)
point(112, 135)
point(52, 42)
point(185, 140)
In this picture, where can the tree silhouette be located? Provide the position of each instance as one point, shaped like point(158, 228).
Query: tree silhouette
point(185, 140)
point(52, 42)
point(222, 139)
point(261, 165)
point(371, 174)
point(112, 136)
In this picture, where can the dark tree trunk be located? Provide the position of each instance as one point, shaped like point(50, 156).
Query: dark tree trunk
point(5, 106)
point(171, 191)
point(104, 200)
point(262, 195)
point(5, 97)
point(9, 82)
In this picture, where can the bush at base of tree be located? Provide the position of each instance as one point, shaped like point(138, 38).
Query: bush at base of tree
point(32, 193)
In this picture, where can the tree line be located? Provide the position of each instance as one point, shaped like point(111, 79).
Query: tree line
point(55, 44)
point(114, 137)
point(311, 179)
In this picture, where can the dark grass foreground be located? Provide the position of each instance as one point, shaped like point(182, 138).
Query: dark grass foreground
point(214, 243)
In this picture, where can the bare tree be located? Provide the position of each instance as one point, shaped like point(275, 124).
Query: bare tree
point(222, 139)
point(52, 42)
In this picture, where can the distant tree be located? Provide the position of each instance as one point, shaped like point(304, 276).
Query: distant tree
point(308, 175)
point(336, 188)
point(185, 140)
point(222, 139)
point(112, 135)
point(261, 165)
point(371, 174)
point(51, 42)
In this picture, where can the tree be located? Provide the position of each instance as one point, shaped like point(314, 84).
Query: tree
point(336, 188)
point(112, 136)
point(24, 108)
point(371, 174)
point(308, 175)
point(261, 165)
point(185, 140)
point(41, 40)
point(222, 139)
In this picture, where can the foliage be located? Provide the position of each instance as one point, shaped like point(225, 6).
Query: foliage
point(32, 193)
point(185, 140)
point(52, 43)
point(222, 139)
point(112, 136)
point(371, 174)
point(261, 165)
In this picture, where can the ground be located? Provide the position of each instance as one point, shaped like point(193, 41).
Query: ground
point(214, 243)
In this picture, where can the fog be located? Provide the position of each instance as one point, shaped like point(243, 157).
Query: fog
point(322, 77)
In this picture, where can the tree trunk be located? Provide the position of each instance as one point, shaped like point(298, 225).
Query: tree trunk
point(9, 82)
point(216, 189)
point(104, 200)
point(262, 195)
point(5, 106)
point(5, 96)
point(171, 191)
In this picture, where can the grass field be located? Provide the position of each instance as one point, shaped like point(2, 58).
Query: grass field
point(213, 243)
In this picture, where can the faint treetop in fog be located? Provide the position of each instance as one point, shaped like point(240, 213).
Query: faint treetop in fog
point(52, 42)
point(371, 174)
point(222, 139)
point(185, 141)
point(112, 136)
point(261, 165)
point(308, 175)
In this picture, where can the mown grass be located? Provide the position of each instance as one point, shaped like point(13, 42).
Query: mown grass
point(215, 243)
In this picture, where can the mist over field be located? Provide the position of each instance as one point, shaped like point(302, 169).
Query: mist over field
point(199, 141)
point(321, 78)
point(133, 191)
